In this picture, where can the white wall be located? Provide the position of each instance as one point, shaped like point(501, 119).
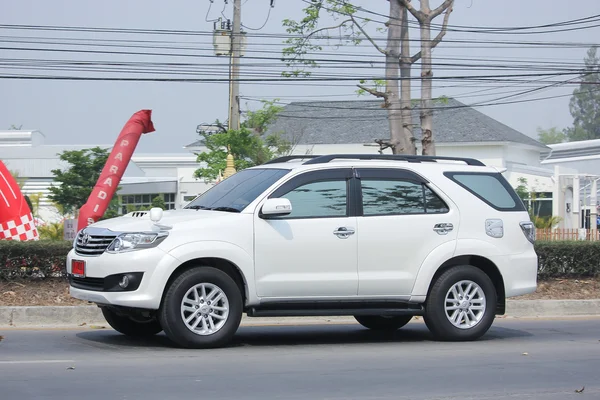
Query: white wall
point(189, 185)
point(522, 155)
point(492, 155)
point(488, 154)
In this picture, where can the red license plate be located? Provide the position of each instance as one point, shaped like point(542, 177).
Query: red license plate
point(78, 268)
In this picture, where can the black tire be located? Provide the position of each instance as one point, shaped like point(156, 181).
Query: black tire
point(130, 327)
point(170, 314)
point(435, 316)
point(383, 323)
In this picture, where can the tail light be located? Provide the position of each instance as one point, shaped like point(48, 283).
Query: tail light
point(528, 230)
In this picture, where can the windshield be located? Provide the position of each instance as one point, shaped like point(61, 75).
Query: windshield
point(236, 192)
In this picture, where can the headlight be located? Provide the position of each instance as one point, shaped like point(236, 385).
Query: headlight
point(135, 241)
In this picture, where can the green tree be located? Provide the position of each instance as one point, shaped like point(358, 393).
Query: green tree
point(249, 146)
point(159, 202)
point(35, 200)
point(585, 103)
point(79, 178)
point(551, 135)
point(522, 190)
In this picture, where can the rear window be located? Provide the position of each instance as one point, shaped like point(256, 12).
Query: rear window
point(493, 189)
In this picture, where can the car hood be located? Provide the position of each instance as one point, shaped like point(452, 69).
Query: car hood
point(140, 221)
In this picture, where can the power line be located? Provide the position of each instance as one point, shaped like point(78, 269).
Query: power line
point(490, 28)
point(264, 24)
point(467, 29)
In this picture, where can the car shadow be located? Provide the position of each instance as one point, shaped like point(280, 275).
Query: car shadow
point(301, 335)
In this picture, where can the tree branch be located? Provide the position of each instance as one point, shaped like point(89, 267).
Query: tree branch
point(439, 36)
point(442, 33)
point(441, 8)
point(415, 58)
point(382, 51)
point(326, 28)
point(416, 13)
point(374, 92)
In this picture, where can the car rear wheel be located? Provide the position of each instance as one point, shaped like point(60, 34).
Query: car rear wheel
point(461, 304)
point(382, 322)
point(130, 326)
point(202, 308)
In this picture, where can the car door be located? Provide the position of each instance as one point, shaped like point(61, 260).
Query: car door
point(311, 252)
point(401, 220)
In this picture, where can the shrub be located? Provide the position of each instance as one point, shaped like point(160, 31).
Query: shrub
point(34, 259)
point(52, 231)
point(568, 259)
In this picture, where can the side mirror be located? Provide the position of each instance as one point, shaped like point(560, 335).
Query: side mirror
point(276, 207)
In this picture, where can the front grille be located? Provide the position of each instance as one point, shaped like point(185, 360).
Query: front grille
point(93, 245)
point(87, 283)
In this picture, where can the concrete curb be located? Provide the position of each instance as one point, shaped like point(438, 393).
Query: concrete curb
point(74, 316)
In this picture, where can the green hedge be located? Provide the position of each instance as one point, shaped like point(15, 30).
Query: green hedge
point(568, 259)
point(46, 259)
point(35, 259)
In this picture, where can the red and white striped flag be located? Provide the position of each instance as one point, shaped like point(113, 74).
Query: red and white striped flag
point(16, 220)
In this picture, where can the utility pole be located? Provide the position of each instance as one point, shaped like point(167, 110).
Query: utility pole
point(236, 40)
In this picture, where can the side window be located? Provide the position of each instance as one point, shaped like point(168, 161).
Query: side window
point(318, 199)
point(491, 188)
point(433, 203)
point(396, 197)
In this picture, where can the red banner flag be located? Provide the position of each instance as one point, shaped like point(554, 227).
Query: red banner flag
point(114, 168)
point(16, 221)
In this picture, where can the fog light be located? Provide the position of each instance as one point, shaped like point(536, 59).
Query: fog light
point(124, 282)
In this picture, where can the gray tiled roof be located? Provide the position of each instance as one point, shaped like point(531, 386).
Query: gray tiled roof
point(352, 122)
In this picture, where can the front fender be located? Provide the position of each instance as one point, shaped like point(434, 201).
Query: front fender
point(216, 249)
point(446, 252)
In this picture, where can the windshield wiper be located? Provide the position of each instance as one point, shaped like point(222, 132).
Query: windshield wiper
point(198, 208)
point(224, 208)
point(230, 209)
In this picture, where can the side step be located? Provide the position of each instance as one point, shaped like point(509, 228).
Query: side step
point(304, 309)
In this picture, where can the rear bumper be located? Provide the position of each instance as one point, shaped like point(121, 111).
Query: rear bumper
point(520, 273)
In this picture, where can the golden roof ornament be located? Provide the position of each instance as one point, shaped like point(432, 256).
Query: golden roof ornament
point(230, 169)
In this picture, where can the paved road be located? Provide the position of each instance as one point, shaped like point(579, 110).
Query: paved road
point(308, 362)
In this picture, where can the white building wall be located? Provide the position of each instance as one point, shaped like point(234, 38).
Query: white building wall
point(189, 186)
point(522, 155)
point(488, 154)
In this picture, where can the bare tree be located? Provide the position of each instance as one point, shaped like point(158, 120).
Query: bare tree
point(397, 103)
point(398, 61)
point(398, 106)
point(425, 16)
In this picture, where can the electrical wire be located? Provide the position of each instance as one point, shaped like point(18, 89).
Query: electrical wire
point(263, 25)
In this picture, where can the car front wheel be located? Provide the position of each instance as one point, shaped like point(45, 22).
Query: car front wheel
point(461, 305)
point(202, 308)
point(135, 327)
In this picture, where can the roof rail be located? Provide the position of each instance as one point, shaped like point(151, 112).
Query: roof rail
point(289, 158)
point(393, 157)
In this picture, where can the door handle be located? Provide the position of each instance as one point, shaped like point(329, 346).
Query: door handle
point(443, 228)
point(343, 232)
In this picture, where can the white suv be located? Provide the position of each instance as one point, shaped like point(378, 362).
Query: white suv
point(379, 237)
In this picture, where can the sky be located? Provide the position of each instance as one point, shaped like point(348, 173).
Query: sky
point(94, 112)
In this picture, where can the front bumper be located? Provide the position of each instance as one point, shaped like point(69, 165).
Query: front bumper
point(100, 285)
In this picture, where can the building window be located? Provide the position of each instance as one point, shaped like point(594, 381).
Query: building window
point(540, 204)
point(144, 201)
